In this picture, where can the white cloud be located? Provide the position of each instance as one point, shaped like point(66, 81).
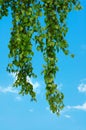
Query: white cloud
point(14, 75)
point(11, 90)
point(60, 86)
point(31, 110)
point(47, 108)
point(8, 90)
point(68, 109)
point(78, 107)
point(36, 85)
point(18, 98)
point(67, 116)
point(82, 87)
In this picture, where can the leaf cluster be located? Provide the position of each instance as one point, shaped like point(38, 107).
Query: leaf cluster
point(49, 39)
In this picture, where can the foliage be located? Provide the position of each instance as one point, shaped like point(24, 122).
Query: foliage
point(50, 39)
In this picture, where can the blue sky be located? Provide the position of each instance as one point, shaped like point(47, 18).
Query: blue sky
point(18, 113)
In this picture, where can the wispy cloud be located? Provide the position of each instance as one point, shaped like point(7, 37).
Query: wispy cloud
point(62, 113)
point(18, 98)
point(60, 85)
point(47, 108)
point(81, 107)
point(8, 89)
point(31, 110)
point(14, 75)
point(78, 107)
point(36, 85)
point(82, 87)
point(67, 116)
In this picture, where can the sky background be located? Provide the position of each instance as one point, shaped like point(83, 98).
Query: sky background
point(18, 112)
